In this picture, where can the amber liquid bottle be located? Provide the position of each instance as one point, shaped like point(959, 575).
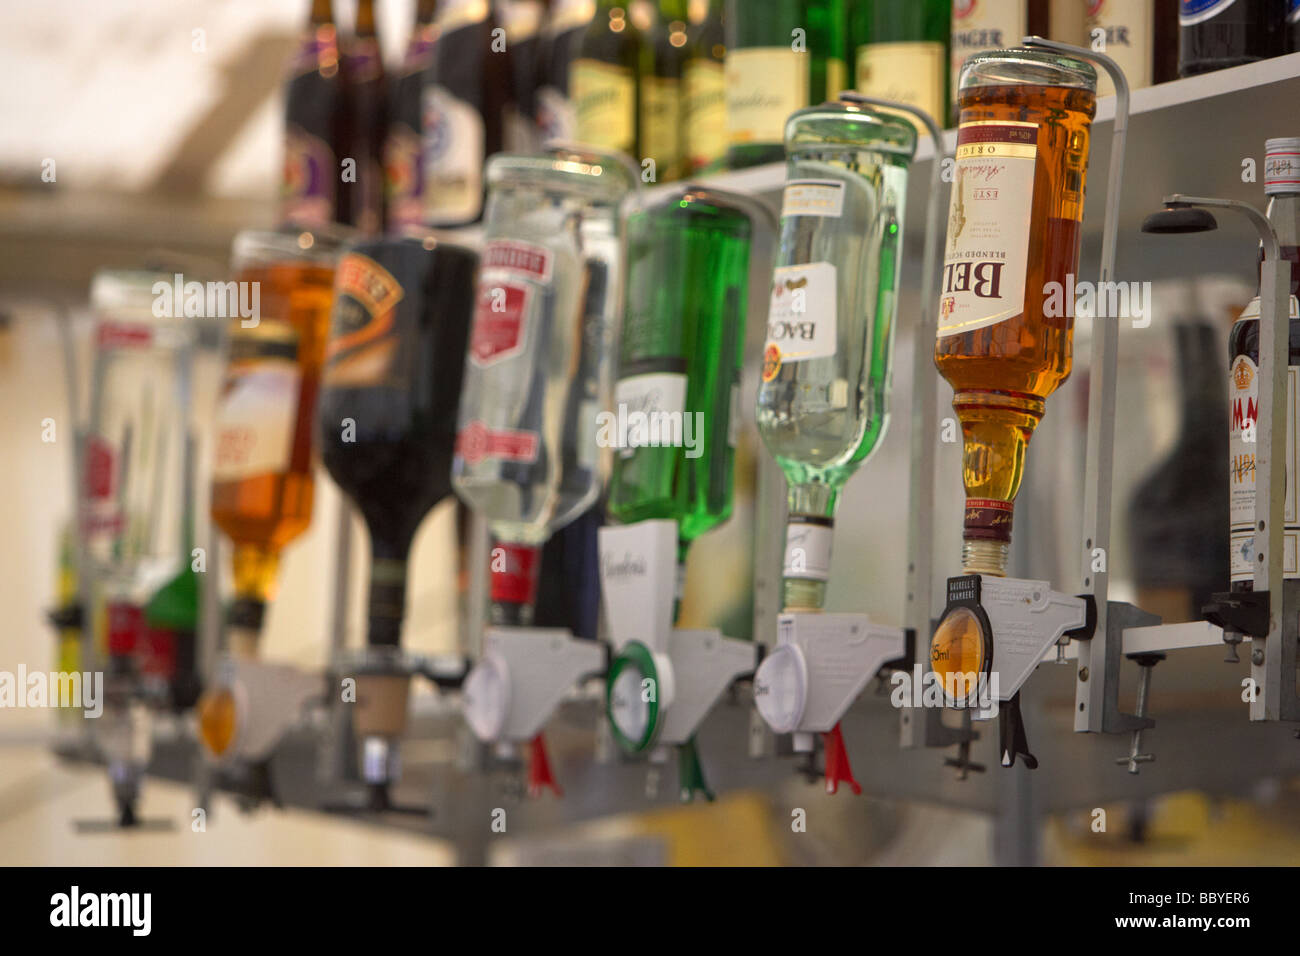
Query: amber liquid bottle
point(262, 462)
point(1013, 228)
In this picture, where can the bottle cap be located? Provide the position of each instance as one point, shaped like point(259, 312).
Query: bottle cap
point(1282, 165)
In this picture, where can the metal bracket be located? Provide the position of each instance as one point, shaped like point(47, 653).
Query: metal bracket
point(1096, 692)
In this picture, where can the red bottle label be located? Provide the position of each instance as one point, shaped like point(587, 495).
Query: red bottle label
point(476, 442)
point(499, 316)
point(514, 573)
point(988, 520)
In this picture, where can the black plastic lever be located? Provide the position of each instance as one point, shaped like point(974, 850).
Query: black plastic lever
point(1244, 612)
point(1011, 730)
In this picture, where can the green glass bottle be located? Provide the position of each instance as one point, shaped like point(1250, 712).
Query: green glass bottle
point(782, 55)
point(824, 397)
point(605, 80)
point(662, 92)
point(900, 52)
point(704, 109)
point(679, 369)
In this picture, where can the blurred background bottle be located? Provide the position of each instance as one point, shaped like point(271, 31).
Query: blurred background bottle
point(1141, 36)
point(704, 108)
point(605, 81)
point(403, 166)
point(561, 38)
point(361, 196)
point(663, 131)
point(982, 25)
point(1217, 34)
point(900, 50)
point(523, 21)
point(768, 76)
point(316, 125)
point(466, 101)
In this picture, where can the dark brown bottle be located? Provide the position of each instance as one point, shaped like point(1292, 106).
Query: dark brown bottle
point(315, 125)
point(403, 168)
point(1217, 34)
point(566, 23)
point(523, 21)
point(362, 191)
point(386, 415)
point(465, 105)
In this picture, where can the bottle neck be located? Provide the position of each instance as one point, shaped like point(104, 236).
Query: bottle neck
point(322, 13)
point(1198, 368)
point(365, 24)
point(515, 569)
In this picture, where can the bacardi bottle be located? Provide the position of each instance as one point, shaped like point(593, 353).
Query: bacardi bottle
point(262, 484)
point(1013, 231)
point(1282, 185)
point(539, 365)
point(824, 399)
point(679, 370)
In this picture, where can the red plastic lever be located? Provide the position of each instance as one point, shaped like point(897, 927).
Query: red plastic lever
point(539, 769)
point(837, 762)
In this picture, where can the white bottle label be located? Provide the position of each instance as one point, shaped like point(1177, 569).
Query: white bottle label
point(1129, 30)
point(980, 25)
point(807, 551)
point(255, 420)
point(986, 255)
point(910, 73)
point(813, 197)
point(453, 157)
point(764, 86)
point(1243, 442)
point(801, 322)
point(650, 411)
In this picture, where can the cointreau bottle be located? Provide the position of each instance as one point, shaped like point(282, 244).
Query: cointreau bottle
point(824, 399)
point(262, 463)
point(540, 360)
point(1013, 227)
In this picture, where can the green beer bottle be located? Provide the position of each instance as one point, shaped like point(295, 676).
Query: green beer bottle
point(605, 79)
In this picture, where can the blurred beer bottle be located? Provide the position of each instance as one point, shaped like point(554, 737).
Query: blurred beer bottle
point(403, 169)
point(605, 80)
point(663, 133)
point(361, 188)
point(465, 104)
point(704, 107)
point(315, 125)
point(523, 21)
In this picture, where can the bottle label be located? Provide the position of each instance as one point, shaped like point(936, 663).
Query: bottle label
point(661, 124)
point(764, 86)
point(605, 101)
point(307, 191)
point(1129, 30)
point(556, 115)
point(706, 111)
point(808, 548)
point(988, 520)
point(658, 396)
point(910, 73)
point(801, 323)
point(453, 157)
point(980, 25)
point(477, 443)
point(515, 569)
point(837, 77)
point(1282, 171)
point(258, 407)
point(1192, 12)
point(986, 255)
point(363, 345)
point(813, 197)
point(1243, 398)
point(1294, 15)
point(509, 270)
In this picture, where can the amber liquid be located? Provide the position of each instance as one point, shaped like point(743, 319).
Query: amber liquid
point(1002, 374)
point(263, 513)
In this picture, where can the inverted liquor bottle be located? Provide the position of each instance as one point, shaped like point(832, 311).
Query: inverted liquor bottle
point(704, 104)
point(1216, 34)
point(316, 125)
point(823, 403)
point(1014, 227)
point(900, 50)
point(605, 80)
point(679, 368)
point(561, 43)
point(403, 166)
point(131, 500)
point(262, 463)
point(389, 389)
point(465, 104)
point(1282, 186)
point(539, 363)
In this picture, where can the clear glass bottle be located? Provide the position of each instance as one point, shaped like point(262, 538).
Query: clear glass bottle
point(540, 360)
point(823, 401)
point(1014, 228)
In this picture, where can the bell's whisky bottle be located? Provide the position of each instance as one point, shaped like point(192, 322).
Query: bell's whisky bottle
point(824, 398)
point(1013, 229)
